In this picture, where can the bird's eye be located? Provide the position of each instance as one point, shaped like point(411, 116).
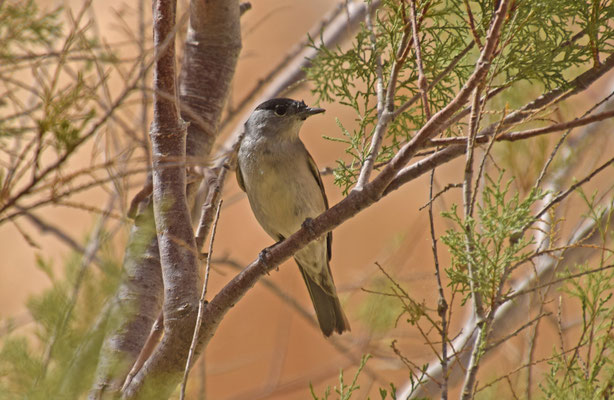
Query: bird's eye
point(280, 110)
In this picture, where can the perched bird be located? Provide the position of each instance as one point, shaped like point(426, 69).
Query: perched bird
point(284, 189)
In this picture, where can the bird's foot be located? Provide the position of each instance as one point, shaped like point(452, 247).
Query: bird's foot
point(263, 257)
point(308, 225)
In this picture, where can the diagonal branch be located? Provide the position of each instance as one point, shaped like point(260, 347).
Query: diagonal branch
point(578, 85)
point(385, 106)
point(347, 208)
point(511, 313)
point(440, 120)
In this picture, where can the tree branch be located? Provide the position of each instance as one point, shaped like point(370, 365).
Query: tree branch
point(212, 47)
point(511, 313)
point(579, 84)
point(347, 208)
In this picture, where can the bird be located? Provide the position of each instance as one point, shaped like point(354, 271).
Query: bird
point(284, 189)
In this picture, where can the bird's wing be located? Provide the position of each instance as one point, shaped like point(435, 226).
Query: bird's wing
point(316, 174)
point(240, 178)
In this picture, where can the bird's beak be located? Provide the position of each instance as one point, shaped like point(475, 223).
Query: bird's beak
point(313, 110)
point(309, 111)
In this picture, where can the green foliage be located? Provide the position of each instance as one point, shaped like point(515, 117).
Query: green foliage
point(537, 45)
point(349, 77)
point(23, 26)
point(344, 391)
point(384, 392)
point(69, 321)
point(64, 115)
point(586, 371)
point(500, 217)
point(53, 68)
point(380, 312)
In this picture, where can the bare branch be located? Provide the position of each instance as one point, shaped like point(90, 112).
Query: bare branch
point(58, 232)
point(442, 305)
point(579, 84)
point(350, 206)
point(511, 312)
point(379, 87)
point(212, 48)
point(175, 238)
point(529, 133)
point(422, 82)
point(201, 304)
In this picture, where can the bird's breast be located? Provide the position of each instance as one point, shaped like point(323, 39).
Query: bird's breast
point(282, 191)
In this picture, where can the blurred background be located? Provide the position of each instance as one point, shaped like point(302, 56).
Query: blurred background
point(265, 348)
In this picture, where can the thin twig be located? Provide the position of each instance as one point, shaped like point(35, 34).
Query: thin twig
point(555, 282)
point(214, 192)
point(157, 329)
point(422, 83)
point(483, 165)
point(558, 145)
point(578, 85)
point(405, 106)
point(529, 133)
point(483, 323)
point(201, 304)
point(377, 54)
point(474, 33)
point(45, 227)
point(88, 256)
point(441, 192)
point(291, 69)
point(558, 198)
point(442, 305)
point(476, 295)
point(143, 72)
point(494, 345)
point(385, 108)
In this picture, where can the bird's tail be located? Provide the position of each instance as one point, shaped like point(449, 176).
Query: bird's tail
point(328, 309)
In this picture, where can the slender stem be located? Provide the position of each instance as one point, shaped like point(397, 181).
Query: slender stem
point(379, 87)
point(483, 324)
point(578, 85)
point(474, 33)
point(476, 294)
point(572, 188)
point(148, 348)
point(442, 305)
point(385, 108)
point(201, 304)
point(214, 193)
point(405, 106)
point(422, 83)
point(484, 137)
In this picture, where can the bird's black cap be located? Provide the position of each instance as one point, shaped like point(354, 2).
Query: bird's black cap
point(284, 106)
point(273, 104)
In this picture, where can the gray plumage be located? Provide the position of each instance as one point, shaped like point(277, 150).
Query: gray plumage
point(284, 188)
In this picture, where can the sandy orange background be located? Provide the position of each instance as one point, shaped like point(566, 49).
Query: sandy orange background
point(264, 349)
